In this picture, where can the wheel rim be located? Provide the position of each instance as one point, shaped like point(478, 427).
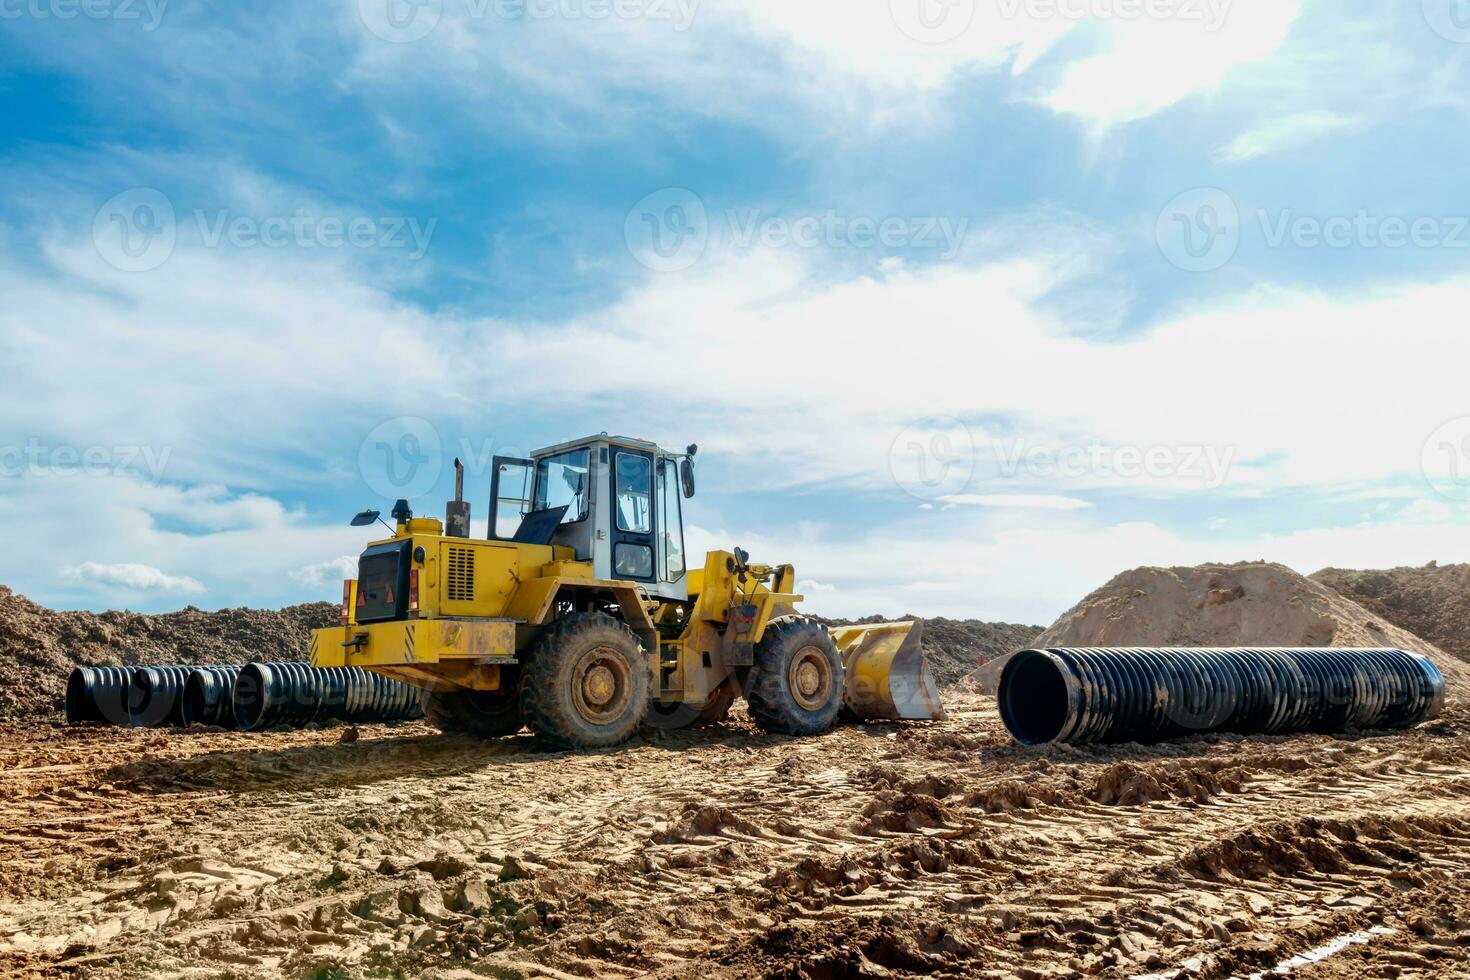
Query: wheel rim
point(810, 678)
point(602, 684)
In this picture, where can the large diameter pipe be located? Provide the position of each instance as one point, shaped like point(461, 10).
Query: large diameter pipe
point(100, 694)
point(1090, 695)
point(268, 695)
point(209, 697)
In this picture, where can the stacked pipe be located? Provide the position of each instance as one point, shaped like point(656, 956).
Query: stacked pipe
point(101, 694)
point(209, 697)
point(267, 695)
point(1081, 696)
point(251, 697)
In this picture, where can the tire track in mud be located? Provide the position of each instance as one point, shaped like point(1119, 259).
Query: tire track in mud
point(939, 849)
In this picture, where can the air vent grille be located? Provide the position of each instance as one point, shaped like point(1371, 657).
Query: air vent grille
point(460, 584)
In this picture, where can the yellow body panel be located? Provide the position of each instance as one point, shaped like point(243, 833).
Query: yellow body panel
point(416, 641)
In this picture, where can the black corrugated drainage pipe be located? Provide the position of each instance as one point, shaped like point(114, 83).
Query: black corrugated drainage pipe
point(158, 695)
point(1090, 695)
point(209, 697)
point(293, 694)
point(101, 694)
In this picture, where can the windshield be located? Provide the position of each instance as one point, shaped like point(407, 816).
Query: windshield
point(562, 480)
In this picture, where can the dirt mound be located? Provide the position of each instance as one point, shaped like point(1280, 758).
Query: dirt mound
point(1432, 602)
point(955, 647)
point(1249, 604)
point(39, 646)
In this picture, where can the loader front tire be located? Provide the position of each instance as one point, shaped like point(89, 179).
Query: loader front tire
point(484, 714)
point(797, 684)
point(586, 683)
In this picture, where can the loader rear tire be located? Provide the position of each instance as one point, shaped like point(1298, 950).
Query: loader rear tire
point(797, 684)
point(671, 715)
point(484, 714)
point(586, 683)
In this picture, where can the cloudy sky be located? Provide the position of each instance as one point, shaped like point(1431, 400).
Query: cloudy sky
point(970, 304)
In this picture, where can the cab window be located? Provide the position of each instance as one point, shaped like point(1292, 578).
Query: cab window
point(670, 521)
point(563, 480)
point(635, 494)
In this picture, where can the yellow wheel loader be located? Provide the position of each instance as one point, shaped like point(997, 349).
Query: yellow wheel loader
point(578, 616)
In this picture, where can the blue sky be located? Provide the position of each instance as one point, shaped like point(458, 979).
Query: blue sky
point(969, 304)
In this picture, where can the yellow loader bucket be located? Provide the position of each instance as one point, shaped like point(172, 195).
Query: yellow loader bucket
point(887, 678)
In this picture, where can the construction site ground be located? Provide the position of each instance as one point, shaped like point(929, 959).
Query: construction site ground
point(881, 850)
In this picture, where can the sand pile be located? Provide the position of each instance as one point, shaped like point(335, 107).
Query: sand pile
point(954, 648)
point(39, 646)
point(1249, 604)
point(1432, 602)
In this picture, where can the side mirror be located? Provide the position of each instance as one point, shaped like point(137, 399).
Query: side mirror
point(686, 476)
point(365, 518)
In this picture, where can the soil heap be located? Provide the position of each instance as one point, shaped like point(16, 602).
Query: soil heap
point(1432, 601)
point(1248, 604)
point(39, 646)
point(954, 648)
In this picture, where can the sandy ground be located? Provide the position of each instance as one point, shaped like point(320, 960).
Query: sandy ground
point(875, 851)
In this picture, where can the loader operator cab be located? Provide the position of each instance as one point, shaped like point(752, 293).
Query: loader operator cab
point(616, 501)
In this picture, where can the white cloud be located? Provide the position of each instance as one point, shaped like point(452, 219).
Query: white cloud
point(1152, 64)
point(1017, 501)
point(1287, 132)
point(321, 572)
point(134, 577)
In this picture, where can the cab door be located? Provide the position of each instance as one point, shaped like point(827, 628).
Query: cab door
point(633, 530)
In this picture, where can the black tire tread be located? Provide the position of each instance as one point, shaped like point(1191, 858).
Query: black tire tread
point(771, 704)
point(546, 710)
point(472, 713)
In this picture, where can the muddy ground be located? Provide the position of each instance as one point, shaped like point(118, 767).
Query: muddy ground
point(884, 850)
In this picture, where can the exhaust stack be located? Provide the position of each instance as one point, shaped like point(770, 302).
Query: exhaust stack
point(457, 511)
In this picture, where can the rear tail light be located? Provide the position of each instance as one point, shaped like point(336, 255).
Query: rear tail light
point(347, 602)
point(413, 590)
